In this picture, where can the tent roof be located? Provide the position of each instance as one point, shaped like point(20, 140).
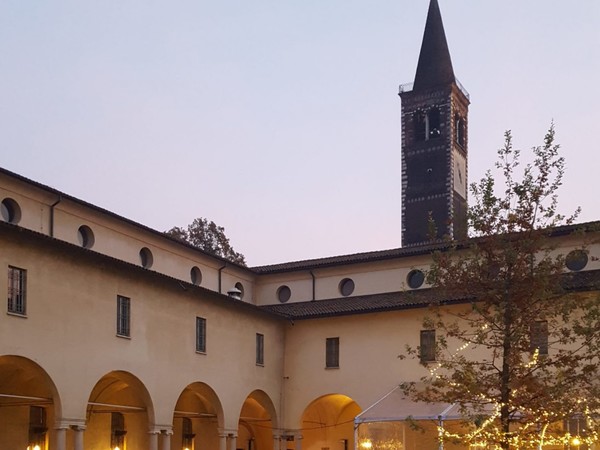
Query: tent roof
point(395, 406)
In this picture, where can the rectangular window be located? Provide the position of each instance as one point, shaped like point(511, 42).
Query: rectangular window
point(16, 290)
point(37, 427)
point(539, 337)
point(260, 349)
point(427, 346)
point(123, 316)
point(200, 335)
point(332, 353)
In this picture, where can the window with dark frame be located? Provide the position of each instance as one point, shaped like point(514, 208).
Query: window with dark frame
point(123, 316)
point(260, 349)
point(38, 427)
point(539, 337)
point(200, 335)
point(17, 279)
point(332, 353)
point(117, 430)
point(427, 346)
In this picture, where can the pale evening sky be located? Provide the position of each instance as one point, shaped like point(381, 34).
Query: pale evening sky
point(279, 119)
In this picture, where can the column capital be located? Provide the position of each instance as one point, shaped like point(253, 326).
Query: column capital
point(65, 423)
point(228, 431)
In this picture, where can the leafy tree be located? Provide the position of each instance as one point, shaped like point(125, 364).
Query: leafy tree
point(520, 353)
point(207, 236)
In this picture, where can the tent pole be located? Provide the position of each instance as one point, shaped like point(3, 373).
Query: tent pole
point(441, 433)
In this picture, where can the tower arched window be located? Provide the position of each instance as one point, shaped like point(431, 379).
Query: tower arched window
point(427, 124)
point(433, 123)
point(420, 121)
point(459, 130)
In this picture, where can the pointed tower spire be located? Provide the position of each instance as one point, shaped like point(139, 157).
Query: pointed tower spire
point(435, 65)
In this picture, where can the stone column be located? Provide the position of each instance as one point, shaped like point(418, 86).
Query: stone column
point(232, 441)
point(298, 441)
point(153, 440)
point(60, 438)
point(276, 442)
point(222, 441)
point(166, 439)
point(78, 437)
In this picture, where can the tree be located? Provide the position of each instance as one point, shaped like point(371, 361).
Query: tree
point(207, 236)
point(520, 354)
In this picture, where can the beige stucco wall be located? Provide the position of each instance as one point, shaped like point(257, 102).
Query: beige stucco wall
point(70, 332)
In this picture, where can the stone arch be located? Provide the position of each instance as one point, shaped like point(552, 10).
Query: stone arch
point(199, 403)
point(328, 421)
point(26, 391)
point(258, 422)
point(119, 393)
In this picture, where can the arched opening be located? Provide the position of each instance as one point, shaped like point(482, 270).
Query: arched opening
point(257, 421)
point(119, 413)
point(328, 422)
point(197, 418)
point(29, 404)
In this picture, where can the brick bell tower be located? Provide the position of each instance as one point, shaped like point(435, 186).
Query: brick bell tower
point(434, 143)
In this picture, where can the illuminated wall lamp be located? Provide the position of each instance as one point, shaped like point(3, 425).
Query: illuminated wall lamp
point(117, 439)
point(188, 441)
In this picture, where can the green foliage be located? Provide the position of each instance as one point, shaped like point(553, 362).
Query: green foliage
point(207, 236)
point(511, 280)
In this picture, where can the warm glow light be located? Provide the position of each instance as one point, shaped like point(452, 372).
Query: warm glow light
point(366, 444)
point(116, 448)
point(36, 447)
point(575, 441)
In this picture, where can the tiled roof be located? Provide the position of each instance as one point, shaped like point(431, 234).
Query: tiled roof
point(405, 252)
point(363, 304)
point(355, 305)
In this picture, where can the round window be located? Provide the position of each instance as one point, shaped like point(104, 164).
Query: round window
point(346, 287)
point(415, 279)
point(10, 211)
point(196, 276)
point(576, 260)
point(146, 258)
point(284, 293)
point(85, 236)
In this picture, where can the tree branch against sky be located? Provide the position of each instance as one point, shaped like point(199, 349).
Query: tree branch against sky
point(208, 236)
point(518, 311)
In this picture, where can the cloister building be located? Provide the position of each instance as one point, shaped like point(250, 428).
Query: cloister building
point(117, 336)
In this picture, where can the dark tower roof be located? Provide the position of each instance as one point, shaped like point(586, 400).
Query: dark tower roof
point(435, 65)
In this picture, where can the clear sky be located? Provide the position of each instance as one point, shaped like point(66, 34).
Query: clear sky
point(279, 119)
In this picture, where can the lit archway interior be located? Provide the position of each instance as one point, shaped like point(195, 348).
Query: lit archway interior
point(197, 418)
point(29, 404)
point(256, 423)
point(328, 422)
point(119, 412)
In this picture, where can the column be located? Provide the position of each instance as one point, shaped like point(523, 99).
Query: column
point(61, 438)
point(166, 439)
point(298, 441)
point(78, 437)
point(222, 441)
point(153, 440)
point(232, 441)
point(276, 442)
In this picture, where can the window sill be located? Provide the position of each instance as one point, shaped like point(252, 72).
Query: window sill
point(122, 336)
point(16, 314)
point(260, 365)
point(332, 368)
point(200, 353)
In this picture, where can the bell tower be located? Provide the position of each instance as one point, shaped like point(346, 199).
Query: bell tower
point(434, 144)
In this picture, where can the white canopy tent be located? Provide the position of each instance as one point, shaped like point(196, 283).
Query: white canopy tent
point(391, 423)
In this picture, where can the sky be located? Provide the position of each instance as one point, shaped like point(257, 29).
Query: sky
point(279, 119)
